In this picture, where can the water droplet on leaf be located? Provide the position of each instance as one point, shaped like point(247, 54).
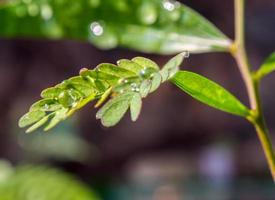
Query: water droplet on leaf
point(96, 28)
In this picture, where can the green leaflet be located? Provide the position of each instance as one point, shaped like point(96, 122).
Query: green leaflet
point(208, 92)
point(155, 26)
point(172, 66)
point(124, 85)
point(135, 106)
point(267, 67)
point(31, 117)
point(145, 88)
point(112, 112)
point(145, 63)
point(58, 116)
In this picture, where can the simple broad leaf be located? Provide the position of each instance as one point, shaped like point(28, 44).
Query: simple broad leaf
point(267, 67)
point(155, 26)
point(208, 92)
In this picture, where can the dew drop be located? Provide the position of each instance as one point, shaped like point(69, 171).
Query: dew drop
point(82, 70)
point(169, 5)
point(133, 85)
point(96, 29)
point(74, 104)
point(142, 72)
point(46, 106)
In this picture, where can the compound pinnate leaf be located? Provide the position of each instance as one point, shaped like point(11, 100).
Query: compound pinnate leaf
point(208, 92)
point(155, 26)
point(125, 85)
point(267, 67)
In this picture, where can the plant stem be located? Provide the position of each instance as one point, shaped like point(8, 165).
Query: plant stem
point(257, 118)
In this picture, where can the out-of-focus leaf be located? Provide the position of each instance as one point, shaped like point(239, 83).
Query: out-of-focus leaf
point(30, 182)
point(155, 26)
point(208, 92)
point(267, 67)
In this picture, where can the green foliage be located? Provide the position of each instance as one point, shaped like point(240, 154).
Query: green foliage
point(208, 92)
point(267, 67)
point(159, 26)
point(126, 84)
point(32, 183)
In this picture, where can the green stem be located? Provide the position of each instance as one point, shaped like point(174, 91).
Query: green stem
point(239, 52)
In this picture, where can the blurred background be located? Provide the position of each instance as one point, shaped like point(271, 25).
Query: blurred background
point(178, 149)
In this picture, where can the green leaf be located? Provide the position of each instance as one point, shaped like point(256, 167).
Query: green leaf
point(51, 93)
point(112, 112)
point(46, 105)
point(114, 70)
point(267, 67)
point(58, 116)
point(208, 92)
point(145, 63)
point(145, 88)
point(155, 26)
point(130, 65)
point(135, 106)
point(31, 117)
point(172, 66)
point(125, 84)
point(38, 124)
point(156, 81)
